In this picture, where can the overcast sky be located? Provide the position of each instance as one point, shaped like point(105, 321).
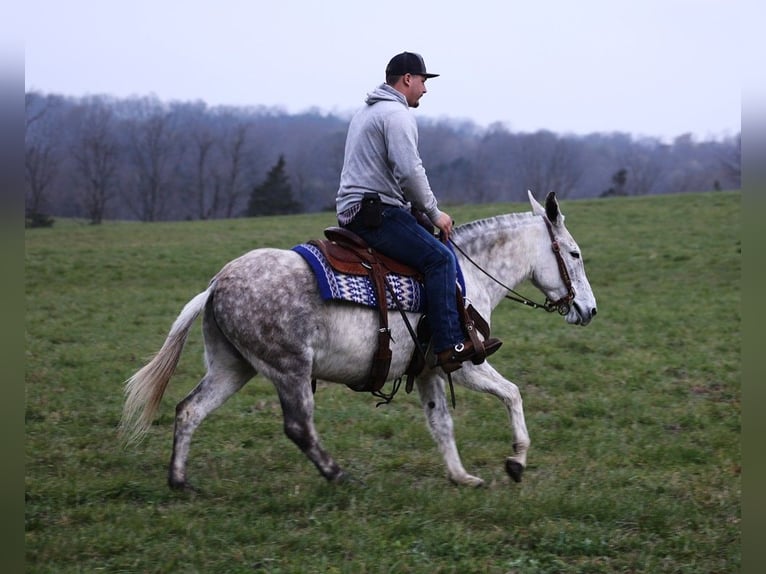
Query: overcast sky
point(649, 67)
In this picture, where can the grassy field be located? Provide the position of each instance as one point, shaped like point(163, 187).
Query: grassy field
point(634, 420)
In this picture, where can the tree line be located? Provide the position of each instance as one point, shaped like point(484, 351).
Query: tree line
point(143, 159)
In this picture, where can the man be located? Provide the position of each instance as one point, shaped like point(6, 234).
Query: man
point(382, 178)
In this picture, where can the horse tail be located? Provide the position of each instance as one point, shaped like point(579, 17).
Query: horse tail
point(144, 390)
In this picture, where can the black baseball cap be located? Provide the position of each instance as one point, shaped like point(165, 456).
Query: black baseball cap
point(408, 63)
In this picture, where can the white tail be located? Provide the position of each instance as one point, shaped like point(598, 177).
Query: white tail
point(145, 388)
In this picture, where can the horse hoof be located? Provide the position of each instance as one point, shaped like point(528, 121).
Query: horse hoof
point(345, 478)
point(468, 480)
point(182, 487)
point(475, 482)
point(514, 469)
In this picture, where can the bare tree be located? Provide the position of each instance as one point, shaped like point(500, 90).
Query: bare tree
point(204, 186)
point(645, 164)
point(564, 167)
point(479, 184)
point(230, 181)
point(41, 158)
point(548, 163)
point(491, 173)
point(96, 155)
point(34, 111)
point(40, 163)
point(152, 146)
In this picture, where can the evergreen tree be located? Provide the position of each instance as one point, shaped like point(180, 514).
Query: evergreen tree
point(275, 195)
point(619, 181)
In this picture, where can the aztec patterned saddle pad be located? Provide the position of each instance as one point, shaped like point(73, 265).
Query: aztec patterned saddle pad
point(359, 289)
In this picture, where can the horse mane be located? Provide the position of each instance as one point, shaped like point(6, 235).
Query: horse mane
point(482, 227)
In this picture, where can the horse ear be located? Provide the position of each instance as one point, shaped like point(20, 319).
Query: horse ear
point(537, 209)
point(552, 209)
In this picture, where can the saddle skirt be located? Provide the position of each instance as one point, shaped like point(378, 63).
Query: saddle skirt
point(342, 274)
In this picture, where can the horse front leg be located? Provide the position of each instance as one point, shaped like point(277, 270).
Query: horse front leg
point(486, 379)
point(434, 401)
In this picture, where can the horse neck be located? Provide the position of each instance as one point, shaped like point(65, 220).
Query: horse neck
point(504, 246)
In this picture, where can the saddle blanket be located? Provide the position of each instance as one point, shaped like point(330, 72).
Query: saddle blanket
point(359, 289)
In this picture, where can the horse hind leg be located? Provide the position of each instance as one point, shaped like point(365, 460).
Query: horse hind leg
point(227, 373)
point(297, 401)
point(211, 392)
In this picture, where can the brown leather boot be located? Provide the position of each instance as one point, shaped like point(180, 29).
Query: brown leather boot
point(451, 359)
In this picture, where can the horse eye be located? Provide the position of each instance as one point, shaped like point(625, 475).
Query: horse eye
point(574, 254)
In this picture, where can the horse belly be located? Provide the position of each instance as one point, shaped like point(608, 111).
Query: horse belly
point(344, 352)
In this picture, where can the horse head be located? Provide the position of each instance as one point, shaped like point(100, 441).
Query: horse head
point(560, 275)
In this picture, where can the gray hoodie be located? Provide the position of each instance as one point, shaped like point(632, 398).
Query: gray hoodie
point(382, 156)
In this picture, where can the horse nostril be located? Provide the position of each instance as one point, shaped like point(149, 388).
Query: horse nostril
point(593, 312)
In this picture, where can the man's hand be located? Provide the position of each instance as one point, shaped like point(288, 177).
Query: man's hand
point(444, 224)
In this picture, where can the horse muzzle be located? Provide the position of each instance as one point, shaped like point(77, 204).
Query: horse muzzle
point(578, 315)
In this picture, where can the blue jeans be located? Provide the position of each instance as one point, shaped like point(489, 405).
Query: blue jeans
point(401, 237)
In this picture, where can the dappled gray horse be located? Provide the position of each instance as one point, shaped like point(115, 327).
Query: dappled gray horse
point(262, 313)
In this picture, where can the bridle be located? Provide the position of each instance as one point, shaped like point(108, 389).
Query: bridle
point(562, 305)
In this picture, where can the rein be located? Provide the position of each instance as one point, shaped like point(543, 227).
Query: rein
point(561, 305)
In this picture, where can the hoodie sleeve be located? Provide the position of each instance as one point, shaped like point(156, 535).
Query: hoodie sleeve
point(404, 158)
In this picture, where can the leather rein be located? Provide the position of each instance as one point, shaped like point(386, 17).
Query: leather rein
point(562, 305)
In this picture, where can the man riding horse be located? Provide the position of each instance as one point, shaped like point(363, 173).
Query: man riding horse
point(264, 312)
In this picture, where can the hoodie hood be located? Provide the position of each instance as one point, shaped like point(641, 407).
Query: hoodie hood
point(385, 93)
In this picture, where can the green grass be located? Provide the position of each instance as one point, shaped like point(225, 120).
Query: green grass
point(634, 420)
